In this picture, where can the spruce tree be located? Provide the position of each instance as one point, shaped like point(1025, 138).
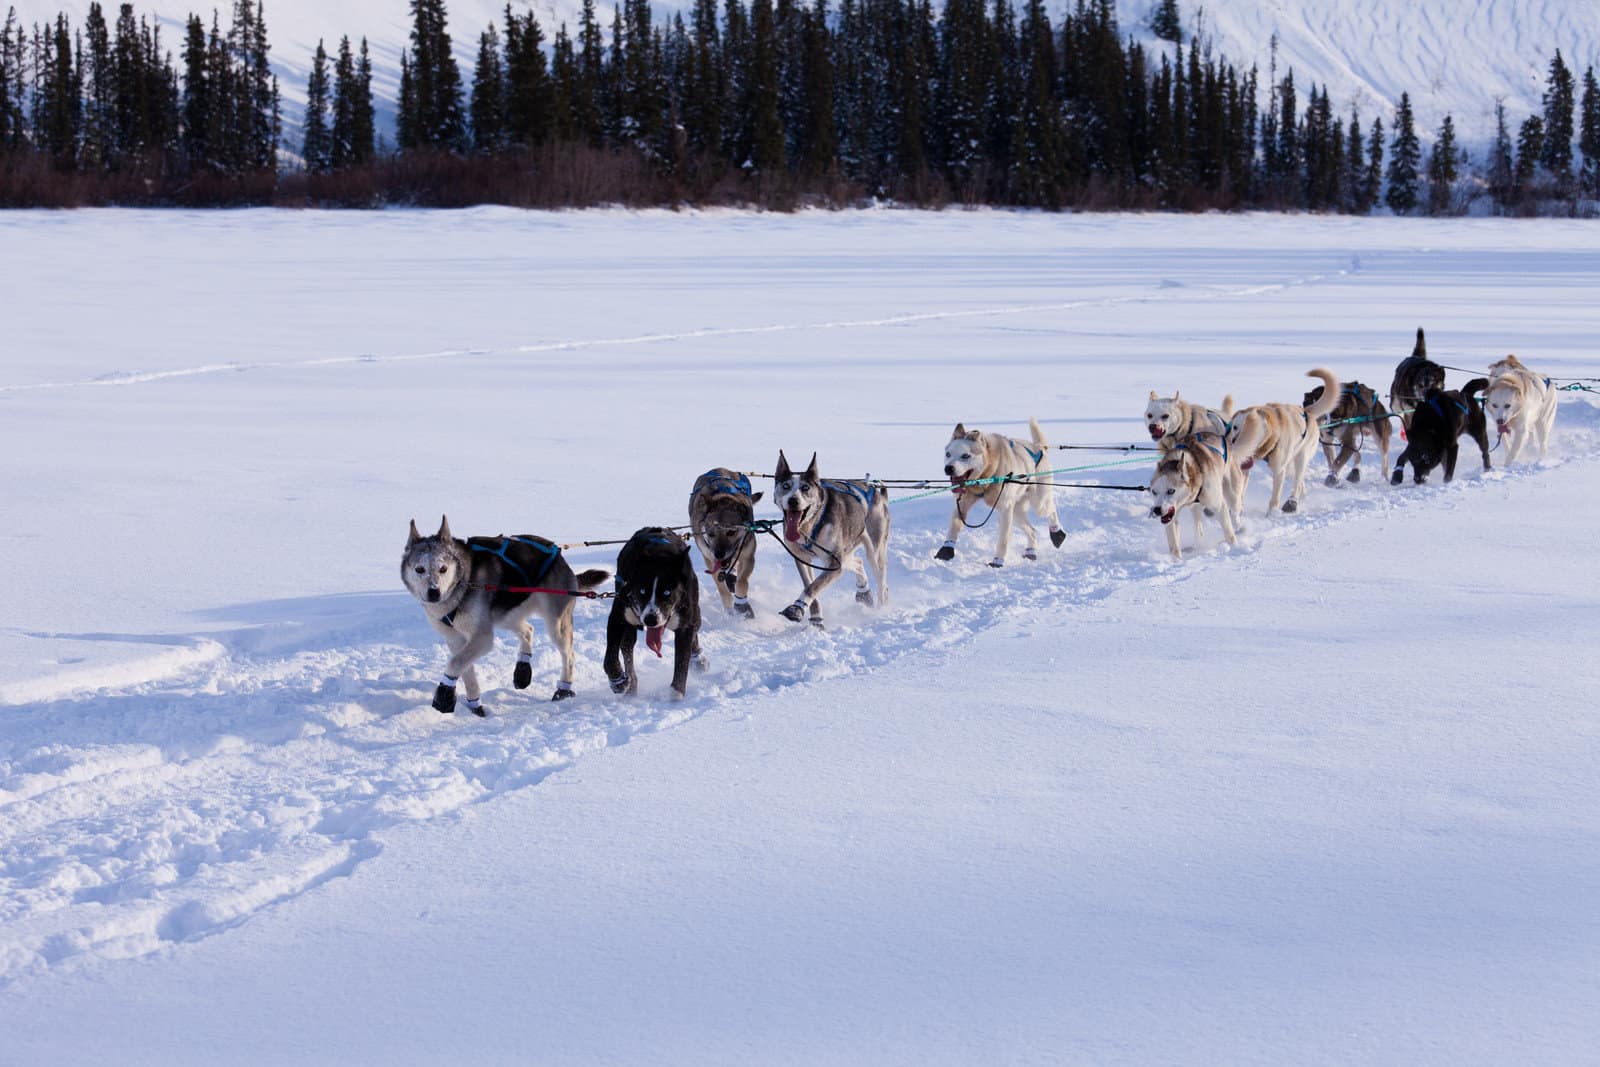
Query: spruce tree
point(1502, 163)
point(1372, 180)
point(1354, 165)
point(363, 117)
point(317, 148)
point(488, 108)
point(528, 101)
point(1556, 153)
point(197, 95)
point(342, 133)
point(1442, 169)
point(1589, 136)
point(819, 141)
point(1530, 148)
point(763, 150)
point(1167, 23)
point(1404, 174)
point(431, 85)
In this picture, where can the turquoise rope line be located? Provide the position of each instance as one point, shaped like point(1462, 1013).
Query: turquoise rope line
point(1013, 477)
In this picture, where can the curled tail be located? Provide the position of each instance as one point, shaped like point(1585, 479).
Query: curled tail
point(1039, 441)
point(1421, 349)
point(1330, 393)
point(590, 579)
point(1472, 388)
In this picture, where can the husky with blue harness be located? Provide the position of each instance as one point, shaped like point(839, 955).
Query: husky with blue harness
point(1012, 479)
point(721, 508)
point(471, 588)
point(1436, 425)
point(1358, 416)
point(824, 523)
point(1198, 473)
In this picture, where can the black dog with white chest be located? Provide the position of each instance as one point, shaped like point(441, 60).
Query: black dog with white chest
point(657, 591)
point(1436, 424)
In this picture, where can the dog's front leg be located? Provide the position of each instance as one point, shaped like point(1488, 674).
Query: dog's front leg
point(463, 655)
point(1400, 466)
point(813, 591)
point(620, 638)
point(1195, 514)
point(1278, 471)
point(958, 518)
point(796, 612)
point(1008, 515)
point(1173, 541)
point(684, 648)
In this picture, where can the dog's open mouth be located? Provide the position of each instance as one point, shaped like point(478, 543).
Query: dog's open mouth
point(1503, 428)
point(1157, 433)
point(1246, 464)
point(1168, 515)
point(958, 482)
point(652, 639)
point(791, 526)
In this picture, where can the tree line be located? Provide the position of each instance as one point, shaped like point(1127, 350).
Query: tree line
point(775, 102)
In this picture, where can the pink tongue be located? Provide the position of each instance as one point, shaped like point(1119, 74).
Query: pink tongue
point(652, 639)
point(1503, 428)
point(791, 526)
point(716, 565)
point(1167, 517)
point(1247, 464)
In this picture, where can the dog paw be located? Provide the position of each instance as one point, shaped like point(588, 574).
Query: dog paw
point(522, 676)
point(1291, 506)
point(619, 684)
point(1331, 480)
point(444, 699)
point(680, 694)
point(1030, 554)
point(864, 596)
point(1397, 477)
point(816, 623)
point(1354, 476)
point(946, 553)
point(701, 663)
point(744, 611)
point(997, 563)
point(1058, 537)
point(794, 612)
point(477, 709)
point(562, 694)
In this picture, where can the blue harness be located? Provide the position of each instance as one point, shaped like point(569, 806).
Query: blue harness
point(550, 552)
point(1438, 408)
point(1201, 437)
point(1036, 456)
point(717, 484)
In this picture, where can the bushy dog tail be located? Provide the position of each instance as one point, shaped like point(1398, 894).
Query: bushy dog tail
point(1039, 441)
point(1474, 387)
point(590, 579)
point(1252, 431)
point(1421, 349)
point(1330, 393)
point(1227, 407)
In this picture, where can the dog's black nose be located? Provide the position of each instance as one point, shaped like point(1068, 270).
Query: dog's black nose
point(652, 619)
point(949, 471)
point(433, 595)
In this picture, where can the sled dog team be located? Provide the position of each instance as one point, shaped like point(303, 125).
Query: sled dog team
point(470, 588)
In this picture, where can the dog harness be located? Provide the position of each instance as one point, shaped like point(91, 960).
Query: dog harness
point(1035, 456)
point(1438, 408)
point(549, 551)
point(1201, 437)
point(717, 484)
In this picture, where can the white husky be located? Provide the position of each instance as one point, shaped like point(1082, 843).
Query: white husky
point(974, 456)
point(1522, 404)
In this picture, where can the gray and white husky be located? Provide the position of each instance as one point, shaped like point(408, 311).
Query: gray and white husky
point(824, 523)
point(471, 588)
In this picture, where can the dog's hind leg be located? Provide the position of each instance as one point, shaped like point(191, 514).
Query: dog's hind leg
point(1032, 551)
point(558, 624)
point(522, 674)
point(1278, 471)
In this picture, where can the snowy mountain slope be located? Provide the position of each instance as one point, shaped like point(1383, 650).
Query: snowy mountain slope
point(1268, 804)
point(1452, 56)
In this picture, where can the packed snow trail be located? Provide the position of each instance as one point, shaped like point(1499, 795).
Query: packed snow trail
point(144, 814)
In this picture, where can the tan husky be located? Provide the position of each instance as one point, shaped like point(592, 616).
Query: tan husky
point(1522, 404)
point(1286, 436)
point(1171, 419)
point(974, 456)
point(1196, 473)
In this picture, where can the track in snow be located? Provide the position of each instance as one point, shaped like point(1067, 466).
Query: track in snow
point(166, 810)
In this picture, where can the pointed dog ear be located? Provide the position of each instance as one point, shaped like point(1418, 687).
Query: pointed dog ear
point(756, 498)
point(974, 435)
point(1177, 395)
point(811, 471)
point(782, 472)
point(444, 529)
point(959, 431)
point(413, 537)
point(1153, 395)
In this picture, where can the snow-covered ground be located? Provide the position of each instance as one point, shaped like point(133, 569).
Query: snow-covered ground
point(1328, 796)
point(1453, 56)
